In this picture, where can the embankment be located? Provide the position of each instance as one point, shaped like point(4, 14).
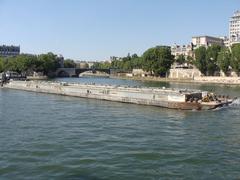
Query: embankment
point(202, 80)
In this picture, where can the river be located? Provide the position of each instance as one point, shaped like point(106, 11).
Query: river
point(46, 136)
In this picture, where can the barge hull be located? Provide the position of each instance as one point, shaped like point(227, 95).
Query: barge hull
point(148, 96)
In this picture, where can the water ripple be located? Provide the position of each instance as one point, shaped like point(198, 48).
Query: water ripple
point(55, 137)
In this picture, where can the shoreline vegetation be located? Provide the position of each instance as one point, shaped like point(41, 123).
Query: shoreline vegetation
point(231, 81)
point(155, 63)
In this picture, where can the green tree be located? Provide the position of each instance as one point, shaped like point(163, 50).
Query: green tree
point(201, 62)
point(48, 63)
point(25, 63)
point(211, 58)
point(189, 60)
point(181, 59)
point(118, 64)
point(127, 65)
point(21, 63)
point(136, 62)
point(235, 59)
point(11, 64)
point(1, 65)
point(158, 60)
point(223, 59)
point(102, 65)
point(68, 63)
point(134, 56)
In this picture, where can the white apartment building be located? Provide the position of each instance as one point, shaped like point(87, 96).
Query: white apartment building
point(206, 41)
point(234, 28)
point(225, 41)
point(185, 50)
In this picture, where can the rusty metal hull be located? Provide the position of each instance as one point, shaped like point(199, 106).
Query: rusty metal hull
point(185, 105)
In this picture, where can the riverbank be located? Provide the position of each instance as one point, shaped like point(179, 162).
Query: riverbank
point(197, 80)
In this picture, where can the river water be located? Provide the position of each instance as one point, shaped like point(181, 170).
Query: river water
point(46, 136)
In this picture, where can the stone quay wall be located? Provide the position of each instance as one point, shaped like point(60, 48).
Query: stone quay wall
point(184, 73)
point(218, 80)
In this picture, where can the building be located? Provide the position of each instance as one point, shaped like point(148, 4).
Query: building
point(186, 50)
point(234, 28)
point(206, 41)
point(6, 51)
point(225, 41)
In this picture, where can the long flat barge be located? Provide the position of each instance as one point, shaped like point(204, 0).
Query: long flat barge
point(162, 97)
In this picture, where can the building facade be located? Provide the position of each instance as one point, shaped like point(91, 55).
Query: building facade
point(185, 50)
point(225, 41)
point(6, 51)
point(234, 28)
point(206, 41)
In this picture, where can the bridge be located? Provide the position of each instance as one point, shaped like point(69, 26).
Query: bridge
point(74, 72)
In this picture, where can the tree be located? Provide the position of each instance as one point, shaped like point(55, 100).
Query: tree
point(10, 64)
point(137, 62)
point(223, 59)
point(200, 62)
point(134, 56)
point(102, 65)
point(1, 65)
point(68, 63)
point(25, 63)
point(158, 60)
point(235, 58)
point(211, 58)
point(181, 59)
point(127, 65)
point(189, 60)
point(48, 63)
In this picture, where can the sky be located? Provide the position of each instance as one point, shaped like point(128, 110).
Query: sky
point(94, 30)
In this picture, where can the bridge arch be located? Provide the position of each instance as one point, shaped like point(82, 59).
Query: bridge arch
point(63, 73)
point(94, 73)
point(80, 71)
point(74, 72)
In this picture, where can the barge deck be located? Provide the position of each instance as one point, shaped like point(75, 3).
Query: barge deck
point(169, 98)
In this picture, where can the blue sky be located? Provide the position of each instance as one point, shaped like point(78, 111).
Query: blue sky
point(98, 29)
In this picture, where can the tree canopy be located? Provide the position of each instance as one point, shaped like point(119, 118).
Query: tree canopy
point(235, 58)
point(1, 65)
point(68, 63)
point(181, 59)
point(200, 59)
point(25, 63)
point(216, 58)
point(223, 59)
point(211, 59)
point(158, 60)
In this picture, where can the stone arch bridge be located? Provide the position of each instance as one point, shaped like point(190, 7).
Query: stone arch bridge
point(74, 72)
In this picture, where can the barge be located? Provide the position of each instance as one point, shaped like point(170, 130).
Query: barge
point(163, 97)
